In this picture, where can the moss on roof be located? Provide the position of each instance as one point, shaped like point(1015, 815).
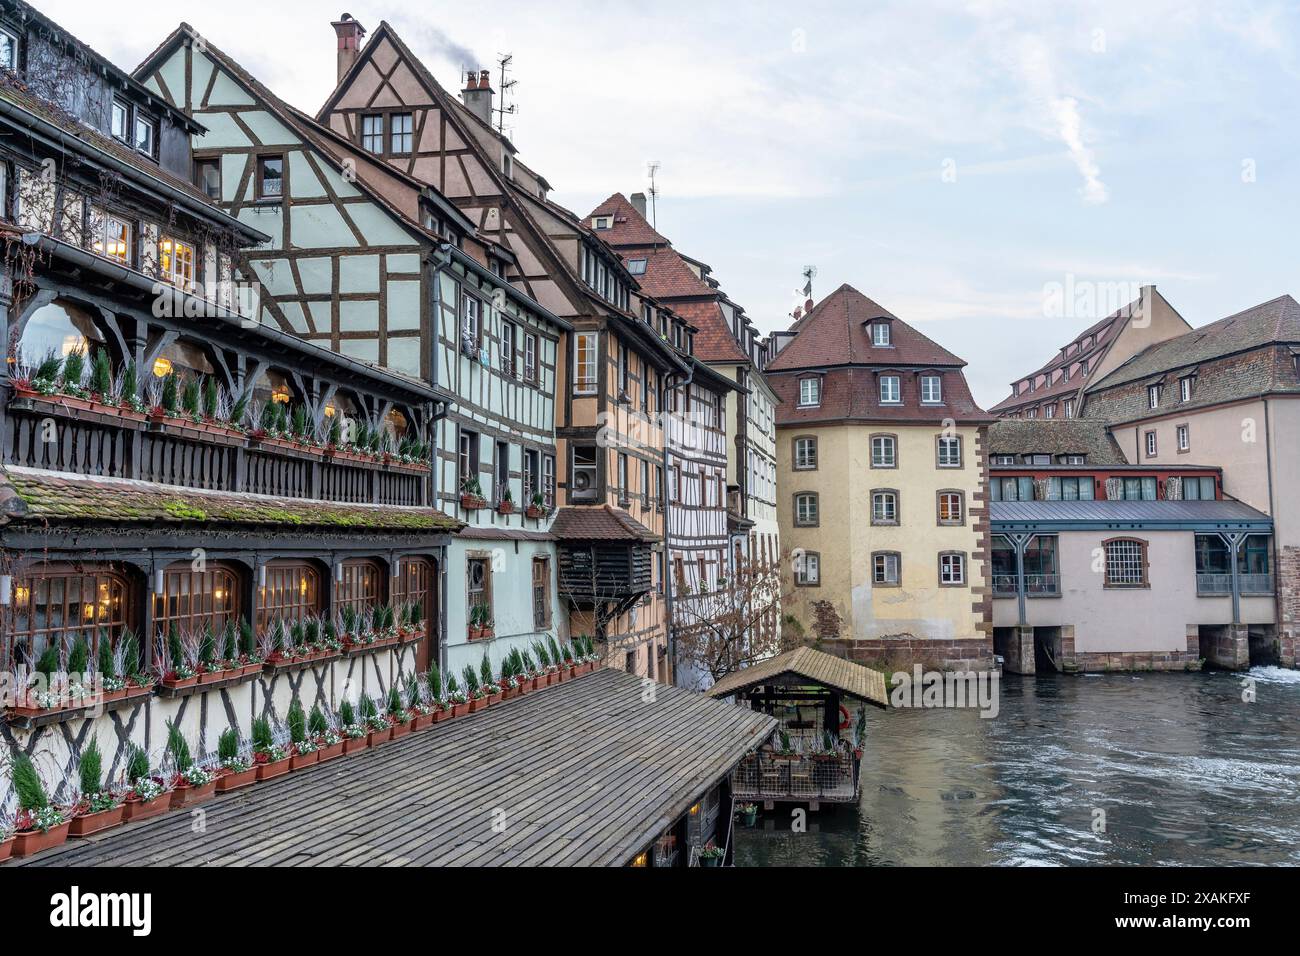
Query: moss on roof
point(61, 498)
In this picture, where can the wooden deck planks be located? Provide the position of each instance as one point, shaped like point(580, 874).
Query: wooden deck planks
point(586, 774)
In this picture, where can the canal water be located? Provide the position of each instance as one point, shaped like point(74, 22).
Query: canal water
point(1182, 770)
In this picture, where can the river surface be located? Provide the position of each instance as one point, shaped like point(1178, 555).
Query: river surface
point(1185, 772)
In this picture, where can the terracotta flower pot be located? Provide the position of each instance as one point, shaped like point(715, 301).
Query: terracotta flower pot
point(495, 698)
point(459, 710)
point(135, 809)
point(34, 841)
point(439, 715)
point(237, 781)
point(187, 796)
point(401, 729)
point(300, 761)
point(354, 744)
point(477, 704)
point(172, 683)
point(89, 823)
point(114, 695)
point(6, 849)
point(330, 751)
point(377, 737)
point(421, 721)
point(272, 769)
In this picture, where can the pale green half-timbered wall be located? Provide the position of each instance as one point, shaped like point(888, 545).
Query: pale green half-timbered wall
point(341, 269)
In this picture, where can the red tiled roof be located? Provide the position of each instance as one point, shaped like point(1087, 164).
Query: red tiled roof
point(601, 523)
point(630, 227)
point(713, 339)
point(833, 334)
point(853, 394)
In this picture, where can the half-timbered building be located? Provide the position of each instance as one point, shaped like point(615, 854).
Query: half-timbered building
point(170, 498)
point(375, 264)
point(612, 372)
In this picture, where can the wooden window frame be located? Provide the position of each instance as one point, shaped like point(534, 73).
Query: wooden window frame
point(801, 579)
point(26, 585)
point(1183, 431)
point(586, 357)
point(1143, 556)
point(964, 561)
point(898, 569)
point(541, 582)
point(483, 559)
point(886, 494)
point(961, 506)
point(1150, 444)
point(286, 577)
point(871, 449)
point(217, 578)
point(794, 453)
point(360, 585)
point(363, 136)
point(468, 456)
point(815, 522)
point(898, 389)
point(392, 133)
point(938, 384)
point(531, 352)
point(815, 381)
point(260, 193)
point(416, 582)
point(939, 441)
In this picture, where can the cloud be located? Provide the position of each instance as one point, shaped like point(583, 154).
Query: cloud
point(1066, 110)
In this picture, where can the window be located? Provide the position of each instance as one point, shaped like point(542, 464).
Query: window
point(1153, 396)
point(478, 584)
point(602, 222)
point(372, 133)
point(415, 585)
point(1004, 459)
point(59, 603)
point(530, 475)
point(884, 451)
point(805, 454)
point(1038, 459)
point(467, 460)
point(1212, 557)
point(145, 134)
point(890, 390)
point(952, 507)
point(1011, 489)
point(502, 464)
point(1139, 489)
point(530, 358)
point(1184, 438)
point(508, 349)
point(1049, 411)
point(401, 133)
point(548, 480)
point(807, 569)
point(583, 486)
point(112, 240)
point(471, 312)
point(622, 476)
point(1151, 444)
point(584, 363)
point(810, 391)
point(624, 370)
point(121, 121)
point(292, 592)
point(1073, 488)
point(359, 585)
point(952, 569)
point(270, 177)
point(1076, 459)
point(1126, 563)
point(884, 507)
point(1069, 408)
point(636, 266)
point(645, 482)
point(1198, 489)
point(931, 389)
point(805, 510)
point(193, 600)
point(949, 451)
point(8, 51)
point(177, 263)
point(207, 176)
point(880, 334)
point(1185, 389)
point(885, 568)
point(541, 593)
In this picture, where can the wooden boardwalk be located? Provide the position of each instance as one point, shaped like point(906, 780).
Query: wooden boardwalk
point(582, 774)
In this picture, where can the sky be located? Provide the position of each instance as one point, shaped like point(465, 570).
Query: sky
point(998, 174)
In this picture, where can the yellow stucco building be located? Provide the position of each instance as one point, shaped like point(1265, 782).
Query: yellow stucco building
point(880, 453)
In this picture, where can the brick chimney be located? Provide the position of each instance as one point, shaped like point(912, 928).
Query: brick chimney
point(477, 95)
point(638, 203)
point(349, 32)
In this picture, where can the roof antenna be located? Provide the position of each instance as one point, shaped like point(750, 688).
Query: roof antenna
point(809, 273)
point(503, 62)
point(652, 169)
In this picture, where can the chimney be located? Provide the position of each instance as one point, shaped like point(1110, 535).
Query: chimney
point(477, 95)
point(349, 32)
point(638, 203)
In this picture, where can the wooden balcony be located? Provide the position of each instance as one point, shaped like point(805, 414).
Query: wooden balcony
point(103, 441)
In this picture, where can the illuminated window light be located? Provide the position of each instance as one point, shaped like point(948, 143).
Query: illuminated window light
point(329, 411)
point(162, 367)
point(281, 395)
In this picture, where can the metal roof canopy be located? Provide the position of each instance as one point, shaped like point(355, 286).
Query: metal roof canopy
point(1126, 515)
point(813, 666)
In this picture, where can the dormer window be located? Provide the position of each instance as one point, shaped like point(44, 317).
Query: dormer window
point(1185, 389)
point(636, 267)
point(931, 390)
point(602, 222)
point(891, 392)
point(146, 135)
point(880, 335)
point(810, 392)
point(8, 51)
point(1153, 396)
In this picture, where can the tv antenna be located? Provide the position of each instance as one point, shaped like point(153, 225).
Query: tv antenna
point(504, 61)
point(809, 273)
point(652, 170)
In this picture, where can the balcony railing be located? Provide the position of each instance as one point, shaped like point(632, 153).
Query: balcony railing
point(1217, 584)
point(104, 442)
point(770, 776)
point(1043, 584)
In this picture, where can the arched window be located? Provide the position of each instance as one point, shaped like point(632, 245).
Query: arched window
point(1126, 563)
point(273, 385)
point(187, 359)
point(414, 584)
point(58, 603)
point(59, 327)
point(397, 425)
point(192, 600)
point(361, 585)
point(292, 593)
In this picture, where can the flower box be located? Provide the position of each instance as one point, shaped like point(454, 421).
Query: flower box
point(377, 737)
point(439, 715)
point(172, 683)
point(34, 841)
point(302, 761)
point(495, 698)
point(23, 712)
point(330, 751)
point(401, 729)
point(478, 703)
point(459, 710)
point(354, 744)
point(6, 849)
point(270, 769)
point(137, 809)
point(421, 721)
point(187, 796)
point(236, 780)
point(473, 502)
point(506, 508)
point(534, 512)
point(88, 823)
